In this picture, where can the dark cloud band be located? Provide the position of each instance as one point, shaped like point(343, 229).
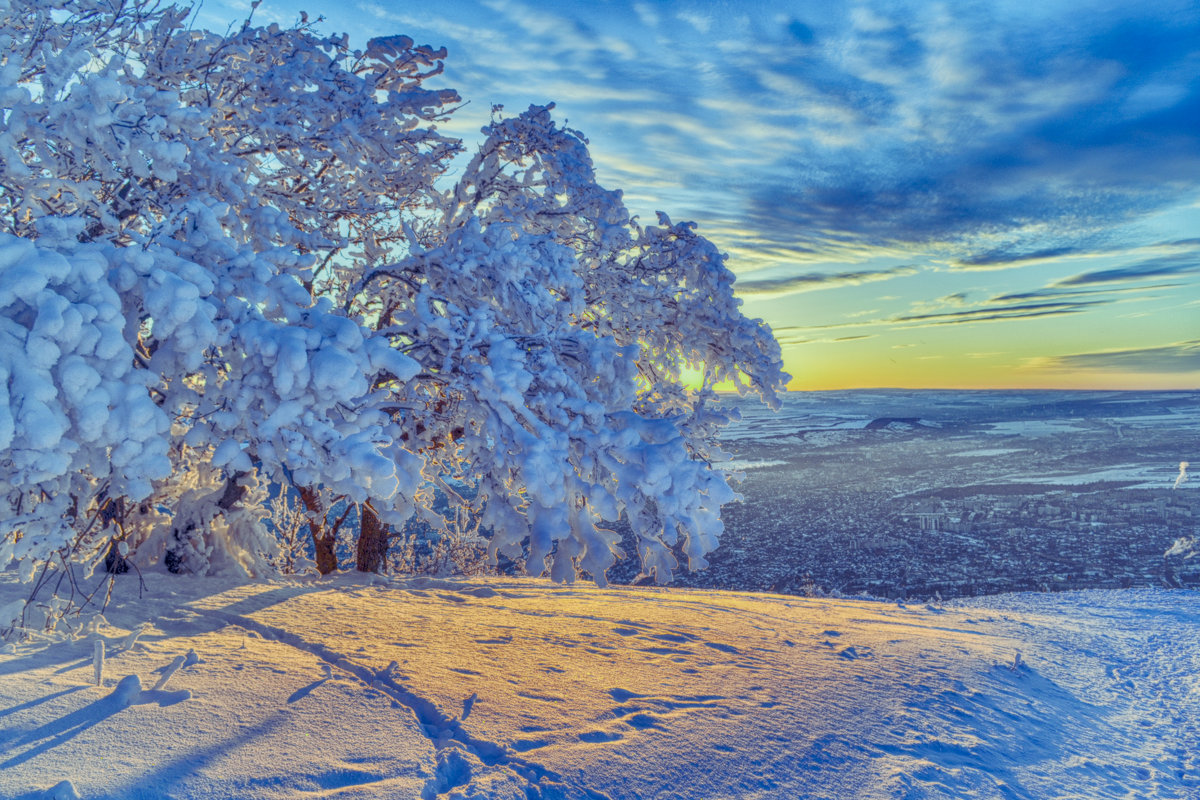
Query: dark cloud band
point(783, 283)
point(1182, 357)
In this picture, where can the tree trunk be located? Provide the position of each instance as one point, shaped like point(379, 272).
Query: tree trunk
point(234, 491)
point(324, 540)
point(372, 541)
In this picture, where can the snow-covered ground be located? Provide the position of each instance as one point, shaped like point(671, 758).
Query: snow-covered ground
point(1034, 427)
point(505, 688)
point(741, 465)
point(988, 451)
point(1149, 476)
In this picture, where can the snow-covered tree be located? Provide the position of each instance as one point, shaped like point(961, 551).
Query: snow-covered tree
point(166, 195)
point(556, 334)
point(225, 261)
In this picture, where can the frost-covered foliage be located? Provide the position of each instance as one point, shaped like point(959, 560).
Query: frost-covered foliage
point(558, 334)
point(225, 261)
point(76, 419)
point(165, 196)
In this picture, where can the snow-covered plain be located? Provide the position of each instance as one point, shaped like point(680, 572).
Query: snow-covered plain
point(362, 687)
point(741, 465)
point(1136, 476)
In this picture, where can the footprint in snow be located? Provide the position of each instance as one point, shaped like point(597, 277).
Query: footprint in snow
point(525, 745)
point(545, 698)
point(851, 652)
point(345, 779)
point(600, 737)
point(642, 721)
point(664, 651)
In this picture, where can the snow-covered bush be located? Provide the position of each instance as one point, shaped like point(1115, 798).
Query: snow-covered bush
point(226, 262)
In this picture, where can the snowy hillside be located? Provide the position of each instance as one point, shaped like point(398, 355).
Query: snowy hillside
point(504, 688)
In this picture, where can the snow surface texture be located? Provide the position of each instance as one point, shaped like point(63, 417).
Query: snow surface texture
point(506, 688)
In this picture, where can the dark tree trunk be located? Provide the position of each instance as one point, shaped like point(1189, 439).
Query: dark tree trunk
point(114, 562)
point(234, 491)
point(176, 553)
point(176, 556)
point(324, 539)
point(372, 541)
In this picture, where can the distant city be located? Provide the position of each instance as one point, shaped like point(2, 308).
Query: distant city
point(926, 494)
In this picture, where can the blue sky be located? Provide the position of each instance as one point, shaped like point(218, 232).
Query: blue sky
point(962, 194)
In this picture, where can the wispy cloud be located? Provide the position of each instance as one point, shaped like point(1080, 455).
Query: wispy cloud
point(1002, 309)
point(998, 313)
point(1163, 266)
point(565, 35)
point(985, 313)
point(955, 300)
point(785, 281)
point(791, 336)
point(1004, 257)
point(1055, 293)
point(1181, 357)
point(701, 22)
